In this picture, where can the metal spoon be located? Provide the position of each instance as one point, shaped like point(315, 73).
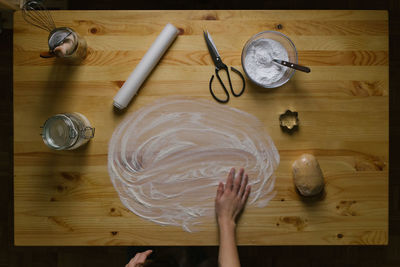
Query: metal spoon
point(292, 65)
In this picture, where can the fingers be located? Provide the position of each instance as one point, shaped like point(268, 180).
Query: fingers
point(148, 252)
point(238, 181)
point(143, 256)
point(134, 259)
point(139, 258)
point(246, 194)
point(220, 190)
point(229, 181)
point(243, 186)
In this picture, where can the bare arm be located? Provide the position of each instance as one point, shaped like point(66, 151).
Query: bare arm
point(230, 201)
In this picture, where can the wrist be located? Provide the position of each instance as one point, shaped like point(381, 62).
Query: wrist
point(226, 224)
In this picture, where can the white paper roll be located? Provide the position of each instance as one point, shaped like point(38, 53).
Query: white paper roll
point(145, 66)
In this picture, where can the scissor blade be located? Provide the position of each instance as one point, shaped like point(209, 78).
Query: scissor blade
point(211, 48)
point(213, 44)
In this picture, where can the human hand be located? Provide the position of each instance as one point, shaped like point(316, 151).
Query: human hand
point(139, 259)
point(232, 197)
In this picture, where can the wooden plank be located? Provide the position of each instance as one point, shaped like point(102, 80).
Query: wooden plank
point(228, 43)
point(66, 197)
point(120, 26)
point(191, 73)
point(119, 16)
point(183, 58)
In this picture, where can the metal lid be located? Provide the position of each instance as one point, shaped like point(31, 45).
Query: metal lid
point(59, 132)
point(57, 36)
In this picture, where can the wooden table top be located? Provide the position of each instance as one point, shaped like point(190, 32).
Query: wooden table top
point(66, 197)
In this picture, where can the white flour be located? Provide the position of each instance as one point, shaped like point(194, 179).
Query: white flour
point(166, 159)
point(258, 61)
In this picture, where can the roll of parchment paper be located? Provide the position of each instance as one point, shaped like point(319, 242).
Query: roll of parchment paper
point(145, 66)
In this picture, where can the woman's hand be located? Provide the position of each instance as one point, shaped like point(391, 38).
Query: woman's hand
point(230, 201)
point(139, 259)
point(231, 198)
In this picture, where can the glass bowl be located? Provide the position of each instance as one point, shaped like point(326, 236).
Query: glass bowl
point(286, 43)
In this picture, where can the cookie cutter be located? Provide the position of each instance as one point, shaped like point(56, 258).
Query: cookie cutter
point(289, 121)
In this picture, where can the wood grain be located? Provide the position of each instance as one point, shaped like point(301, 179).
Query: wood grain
point(66, 198)
point(9, 4)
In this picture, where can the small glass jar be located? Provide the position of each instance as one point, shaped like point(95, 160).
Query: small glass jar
point(66, 43)
point(67, 131)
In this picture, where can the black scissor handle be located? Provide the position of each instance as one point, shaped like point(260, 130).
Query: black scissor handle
point(223, 85)
point(244, 83)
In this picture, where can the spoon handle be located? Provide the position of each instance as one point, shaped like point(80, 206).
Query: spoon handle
point(292, 65)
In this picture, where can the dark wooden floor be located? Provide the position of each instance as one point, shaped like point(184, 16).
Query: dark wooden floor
point(250, 256)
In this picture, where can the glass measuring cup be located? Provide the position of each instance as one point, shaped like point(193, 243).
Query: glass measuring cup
point(67, 131)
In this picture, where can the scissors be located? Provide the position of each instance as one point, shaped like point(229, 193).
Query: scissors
point(219, 65)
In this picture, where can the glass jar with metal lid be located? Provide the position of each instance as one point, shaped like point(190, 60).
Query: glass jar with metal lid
point(67, 131)
point(66, 43)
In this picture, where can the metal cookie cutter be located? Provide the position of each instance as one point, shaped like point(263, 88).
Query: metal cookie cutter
point(289, 121)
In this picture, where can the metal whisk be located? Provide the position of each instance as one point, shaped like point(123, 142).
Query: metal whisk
point(35, 13)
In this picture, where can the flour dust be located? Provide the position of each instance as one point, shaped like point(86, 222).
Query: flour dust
point(166, 159)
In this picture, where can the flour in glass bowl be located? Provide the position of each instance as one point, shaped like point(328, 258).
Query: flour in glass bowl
point(258, 61)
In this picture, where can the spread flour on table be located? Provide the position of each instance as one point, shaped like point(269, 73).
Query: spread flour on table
point(166, 159)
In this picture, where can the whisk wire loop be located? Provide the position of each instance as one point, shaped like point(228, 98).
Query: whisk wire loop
point(35, 13)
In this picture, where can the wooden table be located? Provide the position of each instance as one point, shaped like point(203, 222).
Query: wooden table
point(66, 198)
